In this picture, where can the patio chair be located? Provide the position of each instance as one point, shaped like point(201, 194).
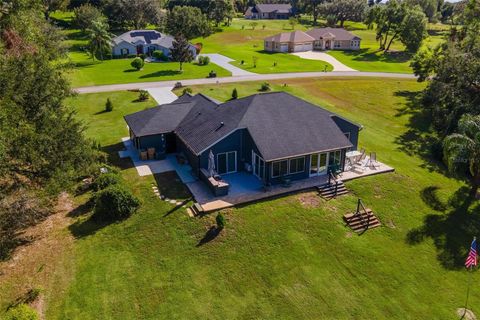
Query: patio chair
point(373, 159)
point(362, 156)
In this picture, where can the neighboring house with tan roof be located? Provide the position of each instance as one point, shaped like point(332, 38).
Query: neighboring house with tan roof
point(296, 41)
point(315, 39)
point(269, 11)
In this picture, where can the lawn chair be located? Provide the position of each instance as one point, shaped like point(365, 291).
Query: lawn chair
point(362, 156)
point(373, 160)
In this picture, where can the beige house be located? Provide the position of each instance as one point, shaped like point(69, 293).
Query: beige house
point(295, 41)
point(315, 39)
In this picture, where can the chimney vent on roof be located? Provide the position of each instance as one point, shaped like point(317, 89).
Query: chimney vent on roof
point(220, 126)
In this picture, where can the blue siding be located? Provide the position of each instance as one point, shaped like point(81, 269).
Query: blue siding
point(347, 126)
point(193, 160)
point(232, 142)
point(153, 141)
point(297, 176)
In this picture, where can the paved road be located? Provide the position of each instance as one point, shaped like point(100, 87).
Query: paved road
point(317, 55)
point(256, 77)
point(224, 62)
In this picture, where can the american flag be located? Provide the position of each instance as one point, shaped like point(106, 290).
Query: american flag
point(472, 255)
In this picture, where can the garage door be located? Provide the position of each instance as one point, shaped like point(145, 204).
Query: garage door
point(284, 48)
point(303, 47)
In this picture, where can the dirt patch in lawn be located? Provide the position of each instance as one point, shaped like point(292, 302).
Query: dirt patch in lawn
point(35, 265)
point(309, 200)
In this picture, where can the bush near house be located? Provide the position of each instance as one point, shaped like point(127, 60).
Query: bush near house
point(105, 180)
point(234, 93)
point(265, 87)
point(159, 55)
point(114, 203)
point(137, 63)
point(220, 219)
point(143, 95)
point(203, 60)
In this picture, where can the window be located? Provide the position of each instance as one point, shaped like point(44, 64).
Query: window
point(297, 165)
point(286, 167)
point(279, 168)
point(347, 134)
point(335, 158)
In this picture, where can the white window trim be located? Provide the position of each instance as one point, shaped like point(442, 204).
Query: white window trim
point(226, 159)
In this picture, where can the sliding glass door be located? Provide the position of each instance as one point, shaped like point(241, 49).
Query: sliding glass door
point(318, 164)
point(258, 165)
point(227, 162)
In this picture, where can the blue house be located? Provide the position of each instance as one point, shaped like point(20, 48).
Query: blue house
point(273, 136)
point(144, 42)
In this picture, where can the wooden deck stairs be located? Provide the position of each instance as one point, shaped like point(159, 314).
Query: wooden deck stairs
point(196, 209)
point(332, 189)
point(361, 220)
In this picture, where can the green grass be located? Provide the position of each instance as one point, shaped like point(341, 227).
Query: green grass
point(87, 72)
point(281, 259)
point(242, 44)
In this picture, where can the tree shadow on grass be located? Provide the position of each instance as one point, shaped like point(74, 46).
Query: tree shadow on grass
point(161, 73)
point(431, 199)
point(419, 139)
point(113, 157)
point(451, 232)
point(87, 227)
point(211, 234)
point(365, 55)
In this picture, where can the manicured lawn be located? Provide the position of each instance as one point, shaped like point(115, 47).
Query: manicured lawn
point(288, 258)
point(242, 44)
point(87, 72)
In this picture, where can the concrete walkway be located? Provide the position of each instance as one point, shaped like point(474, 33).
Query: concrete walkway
point(224, 62)
point(162, 94)
point(255, 77)
point(317, 55)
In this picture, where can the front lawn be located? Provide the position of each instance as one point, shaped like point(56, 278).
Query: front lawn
point(290, 257)
point(240, 42)
point(87, 72)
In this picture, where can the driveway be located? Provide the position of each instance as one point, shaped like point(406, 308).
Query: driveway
point(224, 62)
point(317, 55)
point(162, 94)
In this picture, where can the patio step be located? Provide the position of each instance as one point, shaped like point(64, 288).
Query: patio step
point(361, 222)
point(196, 209)
point(327, 191)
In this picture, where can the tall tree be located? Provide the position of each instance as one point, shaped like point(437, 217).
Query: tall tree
point(133, 14)
point(100, 40)
point(453, 74)
point(462, 150)
point(180, 51)
point(343, 10)
point(187, 21)
point(86, 14)
point(313, 7)
point(394, 21)
point(222, 10)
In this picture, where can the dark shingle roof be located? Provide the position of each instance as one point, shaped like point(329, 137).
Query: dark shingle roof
point(295, 37)
point(280, 124)
point(161, 119)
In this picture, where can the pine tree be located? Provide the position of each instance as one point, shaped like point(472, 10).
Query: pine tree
point(181, 50)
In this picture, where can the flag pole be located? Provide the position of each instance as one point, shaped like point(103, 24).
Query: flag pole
point(468, 287)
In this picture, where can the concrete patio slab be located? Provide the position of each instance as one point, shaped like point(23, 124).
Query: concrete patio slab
point(318, 55)
point(149, 167)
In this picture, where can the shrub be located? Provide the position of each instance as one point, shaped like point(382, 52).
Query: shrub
point(114, 203)
point(143, 95)
point(142, 56)
point(158, 54)
point(265, 86)
point(21, 312)
point(105, 180)
point(221, 222)
point(187, 90)
point(203, 60)
point(137, 63)
point(234, 93)
point(108, 105)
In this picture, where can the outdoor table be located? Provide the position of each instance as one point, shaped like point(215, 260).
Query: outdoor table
point(353, 156)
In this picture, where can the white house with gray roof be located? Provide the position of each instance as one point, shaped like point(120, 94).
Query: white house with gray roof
point(144, 42)
point(269, 11)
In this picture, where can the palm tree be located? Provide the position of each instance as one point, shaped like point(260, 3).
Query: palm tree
point(100, 40)
point(463, 149)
